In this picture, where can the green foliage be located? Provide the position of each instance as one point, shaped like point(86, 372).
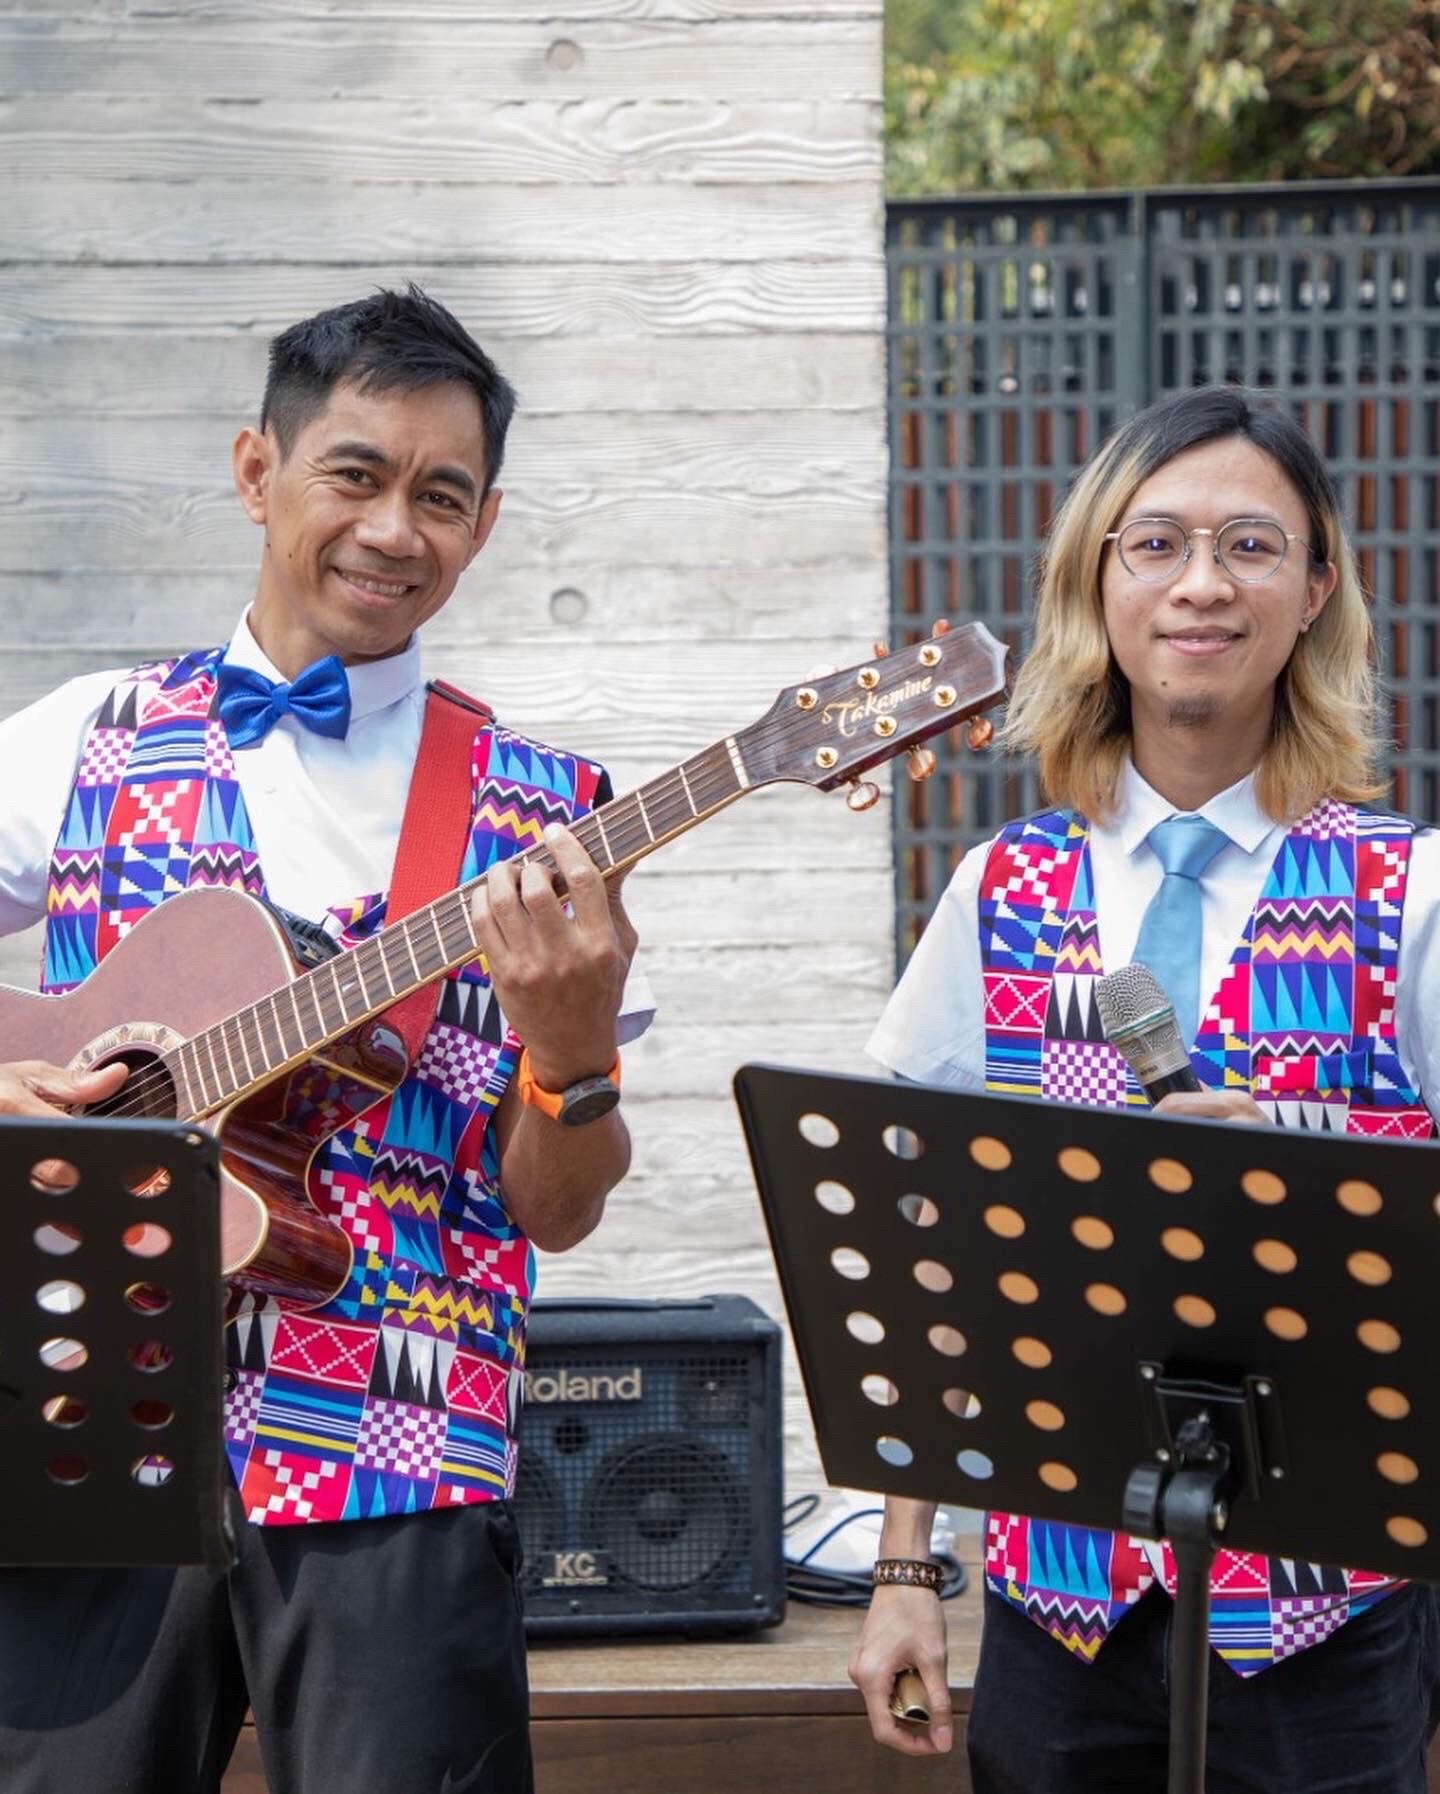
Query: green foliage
point(1053, 94)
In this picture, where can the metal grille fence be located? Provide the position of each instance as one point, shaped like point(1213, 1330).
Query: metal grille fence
point(1023, 329)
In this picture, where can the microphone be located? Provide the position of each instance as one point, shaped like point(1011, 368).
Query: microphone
point(1139, 1019)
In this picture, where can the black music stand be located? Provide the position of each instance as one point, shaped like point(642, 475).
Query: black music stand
point(110, 1345)
point(1217, 1334)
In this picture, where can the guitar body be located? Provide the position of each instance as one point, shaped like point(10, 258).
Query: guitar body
point(197, 959)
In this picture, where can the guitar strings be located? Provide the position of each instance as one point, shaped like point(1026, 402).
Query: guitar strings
point(686, 804)
point(159, 1080)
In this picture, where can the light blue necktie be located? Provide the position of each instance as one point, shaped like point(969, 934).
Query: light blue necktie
point(1169, 941)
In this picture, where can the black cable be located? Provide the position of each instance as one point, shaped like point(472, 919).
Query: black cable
point(805, 1581)
point(799, 1508)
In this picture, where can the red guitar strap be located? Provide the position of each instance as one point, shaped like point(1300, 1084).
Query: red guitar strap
point(434, 832)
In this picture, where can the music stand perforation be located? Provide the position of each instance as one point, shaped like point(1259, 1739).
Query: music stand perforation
point(110, 1344)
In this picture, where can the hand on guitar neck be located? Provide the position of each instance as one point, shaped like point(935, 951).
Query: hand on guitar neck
point(559, 974)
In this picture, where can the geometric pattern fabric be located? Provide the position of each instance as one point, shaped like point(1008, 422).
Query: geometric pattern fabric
point(1304, 1019)
point(398, 1395)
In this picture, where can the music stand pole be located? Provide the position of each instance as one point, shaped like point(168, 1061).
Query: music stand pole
point(1115, 1320)
point(1189, 1512)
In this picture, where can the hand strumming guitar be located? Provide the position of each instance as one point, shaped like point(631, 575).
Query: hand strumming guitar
point(33, 1087)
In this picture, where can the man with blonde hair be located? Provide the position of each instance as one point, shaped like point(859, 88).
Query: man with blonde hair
point(1200, 703)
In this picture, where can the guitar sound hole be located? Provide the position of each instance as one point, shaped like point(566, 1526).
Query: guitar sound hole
point(149, 1091)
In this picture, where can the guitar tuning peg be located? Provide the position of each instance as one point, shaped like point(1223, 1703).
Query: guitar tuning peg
point(980, 733)
point(881, 651)
point(942, 626)
point(862, 795)
point(920, 763)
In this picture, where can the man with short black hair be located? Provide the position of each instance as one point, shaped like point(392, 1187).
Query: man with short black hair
point(372, 1621)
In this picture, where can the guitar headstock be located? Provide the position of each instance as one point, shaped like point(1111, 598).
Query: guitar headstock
point(829, 730)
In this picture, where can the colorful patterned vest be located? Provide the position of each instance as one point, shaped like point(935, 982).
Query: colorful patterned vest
point(1304, 1019)
point(401, 1394)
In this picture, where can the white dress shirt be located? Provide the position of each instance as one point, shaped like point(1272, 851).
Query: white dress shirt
point(325, 813)
point(933, 1028)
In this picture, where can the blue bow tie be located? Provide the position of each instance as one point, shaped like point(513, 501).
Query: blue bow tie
point(250, 704)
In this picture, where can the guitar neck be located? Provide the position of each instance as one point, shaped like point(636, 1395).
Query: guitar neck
point(240, 1054)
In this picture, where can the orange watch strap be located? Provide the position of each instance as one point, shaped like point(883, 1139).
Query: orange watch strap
point(548, 1102)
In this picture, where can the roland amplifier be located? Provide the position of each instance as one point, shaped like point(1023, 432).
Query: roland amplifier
point(649, 1486)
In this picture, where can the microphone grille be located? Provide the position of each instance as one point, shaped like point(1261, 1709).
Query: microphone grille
point(1132, 995)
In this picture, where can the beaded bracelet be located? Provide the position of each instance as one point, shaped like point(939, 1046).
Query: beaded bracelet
point(914, 1572)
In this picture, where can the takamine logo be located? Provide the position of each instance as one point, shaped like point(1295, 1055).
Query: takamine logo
point(849, 715)
point(565, 1385)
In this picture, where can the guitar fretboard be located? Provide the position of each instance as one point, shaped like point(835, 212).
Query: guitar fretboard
point(236, 1056)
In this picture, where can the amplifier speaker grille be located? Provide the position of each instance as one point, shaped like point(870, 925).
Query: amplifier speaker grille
point(648, 1492)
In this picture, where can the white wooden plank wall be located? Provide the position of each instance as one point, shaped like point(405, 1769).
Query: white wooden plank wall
point(664, 219)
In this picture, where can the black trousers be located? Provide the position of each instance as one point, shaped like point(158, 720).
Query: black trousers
point(380, 1657)
point(1354, 1713)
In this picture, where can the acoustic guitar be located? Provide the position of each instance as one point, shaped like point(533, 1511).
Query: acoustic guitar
point(219, 1024)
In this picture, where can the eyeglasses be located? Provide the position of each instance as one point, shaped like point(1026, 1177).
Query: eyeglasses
point(1248, 548)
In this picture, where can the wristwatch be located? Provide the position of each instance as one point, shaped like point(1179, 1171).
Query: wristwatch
point(587, 1099)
